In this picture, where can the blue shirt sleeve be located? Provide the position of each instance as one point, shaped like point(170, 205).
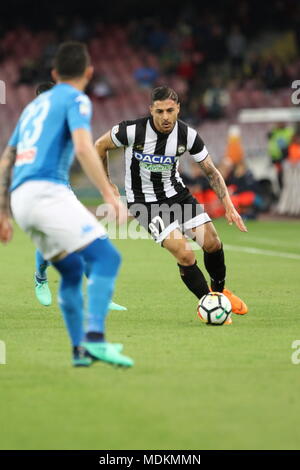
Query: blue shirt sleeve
point(79, 113)
point(14, 139)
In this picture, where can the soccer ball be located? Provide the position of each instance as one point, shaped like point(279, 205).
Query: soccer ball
point(214, 308)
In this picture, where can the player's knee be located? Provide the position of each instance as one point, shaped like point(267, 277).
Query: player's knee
point(71, 269)
point(212, 244)
point(102, 257)
point(115, 258)
point(186, 257)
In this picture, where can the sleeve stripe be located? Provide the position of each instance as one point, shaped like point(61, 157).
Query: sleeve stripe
point(115, 140)
point(198, 157)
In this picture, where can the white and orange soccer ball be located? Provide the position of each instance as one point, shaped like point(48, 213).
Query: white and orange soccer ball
point(214, 308)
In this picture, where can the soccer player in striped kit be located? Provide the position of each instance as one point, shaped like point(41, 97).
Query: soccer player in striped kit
point(158, 198)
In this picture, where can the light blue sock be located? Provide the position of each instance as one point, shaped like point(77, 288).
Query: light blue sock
point(102, 262)
point(70, 297)
point(41, 265)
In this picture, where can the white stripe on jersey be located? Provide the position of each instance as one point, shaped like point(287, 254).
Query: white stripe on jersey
point(169, 188)
point(177, 175)
point(147, 185)
point(198, 157)
point(150, 139)
point(131, 134)
point(171, 149)
point(171, 145)
point(149, 147)
point(113, 136)
point(191, 136)
point(128, 157)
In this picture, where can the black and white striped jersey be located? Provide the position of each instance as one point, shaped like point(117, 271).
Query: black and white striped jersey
point(152, 158)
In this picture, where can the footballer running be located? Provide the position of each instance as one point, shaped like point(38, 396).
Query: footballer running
point(159, 200)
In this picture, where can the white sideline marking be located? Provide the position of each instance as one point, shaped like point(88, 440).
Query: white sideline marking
point(258, 251)
point(267, 241)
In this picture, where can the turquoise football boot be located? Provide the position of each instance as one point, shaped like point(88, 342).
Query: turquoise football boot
point(42, 291)
point(81, 358)
point(114, 306)
point(107, 352)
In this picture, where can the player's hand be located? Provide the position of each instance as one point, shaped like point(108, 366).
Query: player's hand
point(115, 189)
point(233, 216)
point(6, 228)
point(116, 209)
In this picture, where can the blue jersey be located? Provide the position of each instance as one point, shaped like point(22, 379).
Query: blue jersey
point(43, 138)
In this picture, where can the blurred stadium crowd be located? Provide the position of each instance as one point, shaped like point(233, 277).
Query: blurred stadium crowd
point(220, 58)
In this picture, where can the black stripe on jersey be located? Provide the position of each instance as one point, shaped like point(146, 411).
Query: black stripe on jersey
point(198, 145)
point(181, 143)
point(156, 178)
point(178, 186)
point(182, 137)
point(121, 135)
point(136, 180)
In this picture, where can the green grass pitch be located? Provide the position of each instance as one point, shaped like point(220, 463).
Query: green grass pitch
point(193, 386)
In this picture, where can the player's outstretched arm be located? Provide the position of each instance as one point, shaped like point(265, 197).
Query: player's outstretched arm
point(103, 145)
point(7, 161)
point(93, 167)
point(218, 184)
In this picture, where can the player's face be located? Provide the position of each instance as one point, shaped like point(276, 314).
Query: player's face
point(164, 114)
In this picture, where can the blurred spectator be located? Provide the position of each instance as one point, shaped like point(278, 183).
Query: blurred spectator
point(216, 99)
point(279, 139)
point(157, 38)
point(60, 27)
point(186, 68)
point(293, 153)
point(244, 191)
point(236, 46)
point(146, 76)
point(99, 87)
point(234, 150)
point(79, 30)
point(272, 72)
point(216, 49)
point(168, 59)
point(28, 73)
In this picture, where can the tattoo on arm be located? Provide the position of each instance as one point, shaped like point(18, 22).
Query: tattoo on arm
point(7, 161)
point(214, 177)
point(105, 164)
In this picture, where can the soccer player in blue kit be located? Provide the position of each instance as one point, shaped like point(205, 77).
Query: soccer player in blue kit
point(40, 152)
point(42, 291)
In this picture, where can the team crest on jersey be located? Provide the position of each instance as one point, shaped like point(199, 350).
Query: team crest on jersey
point(181, 149)
point(155, 162)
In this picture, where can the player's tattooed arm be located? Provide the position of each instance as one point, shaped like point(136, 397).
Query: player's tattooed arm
point(218, 184)
point(214, 177)
point(7, 161)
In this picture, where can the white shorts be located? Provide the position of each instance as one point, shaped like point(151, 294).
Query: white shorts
point(54, 218)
